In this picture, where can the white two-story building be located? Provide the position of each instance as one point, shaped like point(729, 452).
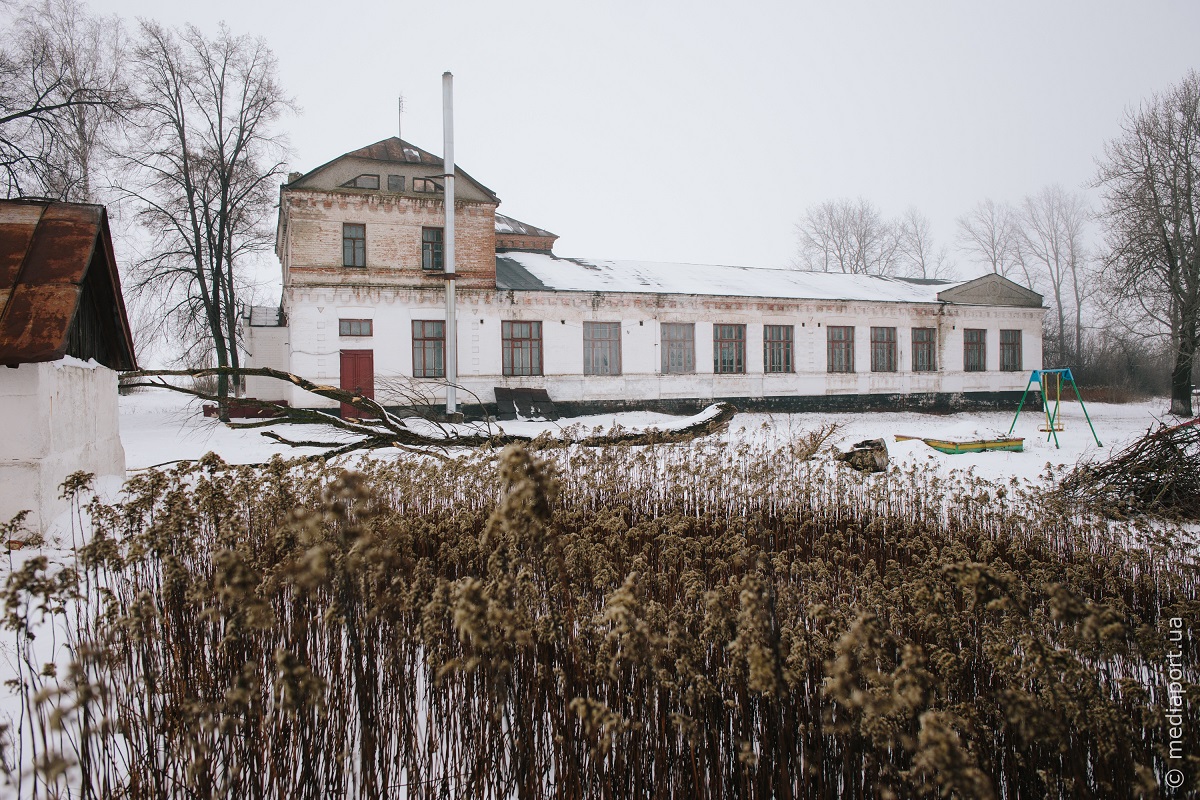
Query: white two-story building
point(360, 241)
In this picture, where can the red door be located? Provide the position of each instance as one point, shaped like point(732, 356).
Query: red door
point(358, 375)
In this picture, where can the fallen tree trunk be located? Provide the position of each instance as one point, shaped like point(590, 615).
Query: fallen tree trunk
point(381, 428)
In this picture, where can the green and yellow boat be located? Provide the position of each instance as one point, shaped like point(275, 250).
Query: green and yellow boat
point(1011, 443)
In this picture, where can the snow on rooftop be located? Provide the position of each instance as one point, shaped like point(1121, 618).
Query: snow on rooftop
point(509, 225)
point(265, 317)
point(582, 275)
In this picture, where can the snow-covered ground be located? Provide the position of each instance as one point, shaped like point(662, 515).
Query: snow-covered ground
point(159, 426)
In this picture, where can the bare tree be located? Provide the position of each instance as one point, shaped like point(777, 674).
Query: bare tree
point(1050, 246)
point(988, 234)
point(1150, 177)
point(848, 236)
point(919, 256)
point(204, 167)
point(61, 95)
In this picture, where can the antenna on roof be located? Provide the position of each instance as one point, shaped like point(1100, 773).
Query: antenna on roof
point(399, 117)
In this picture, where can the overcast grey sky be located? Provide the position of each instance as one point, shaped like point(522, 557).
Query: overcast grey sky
point(700, 131)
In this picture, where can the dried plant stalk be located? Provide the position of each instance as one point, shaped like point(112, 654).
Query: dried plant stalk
point(698, 620)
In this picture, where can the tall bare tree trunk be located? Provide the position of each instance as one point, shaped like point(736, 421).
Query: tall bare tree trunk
point(207, 160)
point(1150, 175)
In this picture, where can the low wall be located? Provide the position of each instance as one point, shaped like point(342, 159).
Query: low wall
point(830, 403)
point(60, 417)
point(933, 403)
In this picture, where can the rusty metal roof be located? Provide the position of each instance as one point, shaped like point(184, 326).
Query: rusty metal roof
point(52, 256)
point(396, 150)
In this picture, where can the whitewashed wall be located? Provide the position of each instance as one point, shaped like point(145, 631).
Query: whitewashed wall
point(314, 343)
point(61, 418)
point(267, 347)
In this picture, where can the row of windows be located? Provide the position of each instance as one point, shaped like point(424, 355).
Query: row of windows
point(354, 246)
point(729, 349)
point(521, 345)
point(395, 183)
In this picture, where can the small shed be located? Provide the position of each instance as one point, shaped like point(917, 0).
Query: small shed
point(63, 335)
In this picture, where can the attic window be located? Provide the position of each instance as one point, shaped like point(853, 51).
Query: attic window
point(427, 185)
point(395, 183)
point(363, 182)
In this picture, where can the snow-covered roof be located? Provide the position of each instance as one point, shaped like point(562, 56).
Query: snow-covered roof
point(545, 272)
point(265, 316)
point(515, 226)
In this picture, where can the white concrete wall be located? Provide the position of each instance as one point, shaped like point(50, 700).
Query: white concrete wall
point(313, 314)
point(267, 347)
point(61, 417)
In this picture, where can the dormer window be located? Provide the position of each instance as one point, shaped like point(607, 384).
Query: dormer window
point(363, 182)
point(426, 185)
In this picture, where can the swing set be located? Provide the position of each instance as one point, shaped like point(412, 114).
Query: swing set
point(1052, 380)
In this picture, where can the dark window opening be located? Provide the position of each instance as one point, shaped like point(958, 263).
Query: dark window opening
point(363, 182)
point(924, 349)
point(1010, 351)
point(355, 327)
point(777, 348)
point(840, 348)
point(354, 245)
point(432, 254)
point(522, 348)
point(601, 348)
point(678, 347)
point(426, 185)
point(729, 349)
point(429, 348)
point(883, 349)
point(974, 350)
point(395, 183)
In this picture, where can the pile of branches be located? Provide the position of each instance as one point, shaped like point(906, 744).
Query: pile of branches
point(1158, 474)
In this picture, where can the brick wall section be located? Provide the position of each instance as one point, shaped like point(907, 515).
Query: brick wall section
point(515, 241)
point(311, 248)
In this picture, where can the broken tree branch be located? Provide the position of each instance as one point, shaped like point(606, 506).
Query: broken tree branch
point(380, 428)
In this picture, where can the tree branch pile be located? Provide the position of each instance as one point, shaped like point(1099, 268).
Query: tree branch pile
point(414, 429)
point(1158, 474)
